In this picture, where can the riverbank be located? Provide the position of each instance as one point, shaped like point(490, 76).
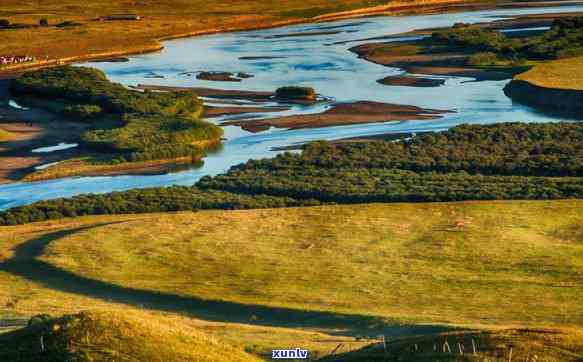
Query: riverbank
point(84, 167)
point(98, 39)
point(446, 55)
point(552, 87)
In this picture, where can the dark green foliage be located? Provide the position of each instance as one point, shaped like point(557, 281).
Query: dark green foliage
point(43, 22)
point(177, 198)
point(502, 161)
point(476, 38)
point(82, 112)
point(482, 59)
point(143, 133)
point(81, 85)
point(151, 125)
point(39, 319)
point(4, 23)
point(564, 39)
point(513, 149)
point(300, 93)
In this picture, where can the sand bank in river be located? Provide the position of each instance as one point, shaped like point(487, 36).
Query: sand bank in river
point(343, 114)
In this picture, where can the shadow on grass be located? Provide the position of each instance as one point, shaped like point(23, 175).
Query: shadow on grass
point(24, 263)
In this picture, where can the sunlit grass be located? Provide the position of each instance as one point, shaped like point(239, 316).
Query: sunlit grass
point(474, 263)
point(563, 74)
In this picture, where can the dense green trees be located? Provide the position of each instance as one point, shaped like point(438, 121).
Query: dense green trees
point(502, 161)
point(150, 125)
point(177, 198)
point(564, 39)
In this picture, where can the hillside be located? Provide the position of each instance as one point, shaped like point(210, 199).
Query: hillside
point(421, 263)
point(320, 276)
point(550, 345)
point(104, 336)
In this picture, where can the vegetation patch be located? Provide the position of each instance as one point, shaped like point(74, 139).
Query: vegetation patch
point(566, 74)
point(293, 93)
point(105, 336)
point(468, 162)
point(553, 345)
point(134, 126)
point(432, 263)
point(563, 40)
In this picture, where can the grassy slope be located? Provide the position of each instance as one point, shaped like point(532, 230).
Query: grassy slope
point(162, 18)
point(491, 263)
point(500, 345)
point(22, 295)
point(100, 336)
point(561, 74)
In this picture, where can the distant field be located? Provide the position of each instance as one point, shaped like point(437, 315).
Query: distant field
point(561, 74)
point(160, 19)
point(491, 263)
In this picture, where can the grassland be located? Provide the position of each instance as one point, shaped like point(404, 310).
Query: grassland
point(500, 345)
point(419, 263)
point(311, 277)
point(558, 74)
point(104, 336)
point(161, 20)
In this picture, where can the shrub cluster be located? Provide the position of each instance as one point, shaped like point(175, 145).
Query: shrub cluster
point(504, 161)
point(468, 162)
point(177, 198)
point(564, 39)
point(151, 125)
point(296, 93)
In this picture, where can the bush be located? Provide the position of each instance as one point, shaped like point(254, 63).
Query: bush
point(296, 93)
point(502, 161)
point(82, 112)
point(39, 319)
point(564, 39)
point(44, 22)
point(150, 125)
point(482, 59)
point(4, 23)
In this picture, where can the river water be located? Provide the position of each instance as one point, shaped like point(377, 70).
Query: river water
point(320, 61)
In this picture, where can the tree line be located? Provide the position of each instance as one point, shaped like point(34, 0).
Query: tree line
point(467, 162)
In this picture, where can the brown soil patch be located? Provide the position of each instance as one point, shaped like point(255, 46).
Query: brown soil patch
point(408, 81)
point(344, 114)
point(213, 111)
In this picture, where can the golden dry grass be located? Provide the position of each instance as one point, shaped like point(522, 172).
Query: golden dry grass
point(161, 19)
point(398, 269)
point(550, 345)
point(23, 297)
point(473, 263)
point(560, 74)
point(115, 336)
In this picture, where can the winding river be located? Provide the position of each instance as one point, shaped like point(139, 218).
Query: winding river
point(320, 60)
